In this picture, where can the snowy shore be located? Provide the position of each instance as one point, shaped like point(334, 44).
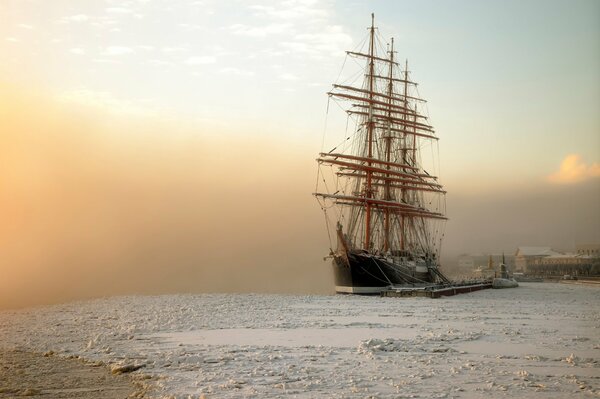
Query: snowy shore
point(536, 341)
point(52, 377)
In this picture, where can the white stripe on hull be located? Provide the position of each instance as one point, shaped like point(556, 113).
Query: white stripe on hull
point(342, 289)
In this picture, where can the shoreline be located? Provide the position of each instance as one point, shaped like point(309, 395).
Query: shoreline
point(31, 374)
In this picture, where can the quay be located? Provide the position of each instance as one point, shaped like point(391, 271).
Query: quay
point(591, 283)
point(436, 291)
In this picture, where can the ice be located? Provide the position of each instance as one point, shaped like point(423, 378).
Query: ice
point(290, 337)
point(536, 341)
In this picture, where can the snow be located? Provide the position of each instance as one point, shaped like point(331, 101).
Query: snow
point(540, 340)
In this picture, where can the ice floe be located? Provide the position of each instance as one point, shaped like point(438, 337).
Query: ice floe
point(540, 341)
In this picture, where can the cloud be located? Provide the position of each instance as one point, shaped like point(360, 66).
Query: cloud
point(104, 100)
point(201, 60)
point(77, 50)
point(178, 49)
point(119, 10)
point(123, 12)
point(573, 170)
point(190, 27)
point(117, 50)
point(332, 40)
point(25, 26)
point(105, 61)
point(259, 31)
point(288, 76)
point(292, 10)
point(236, 71)
point(304, 29)
point(159, 63)
point(77, 18)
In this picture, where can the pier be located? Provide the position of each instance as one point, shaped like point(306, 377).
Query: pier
point(436, 291)
point(588, 282)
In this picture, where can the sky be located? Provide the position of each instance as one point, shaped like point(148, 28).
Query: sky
point(168, 146)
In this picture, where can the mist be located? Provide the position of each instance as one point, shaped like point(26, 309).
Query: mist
point(95, 204)
point(559, 216)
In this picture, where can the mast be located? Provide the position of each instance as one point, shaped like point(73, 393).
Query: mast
point(370, 123)
point(403, 192)
point(388, 150)
point(379, 184)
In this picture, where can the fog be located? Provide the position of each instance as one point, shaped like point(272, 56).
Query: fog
point(560, 216)
point(96, 204)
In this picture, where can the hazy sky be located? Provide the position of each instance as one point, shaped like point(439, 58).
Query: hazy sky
point(144, 138)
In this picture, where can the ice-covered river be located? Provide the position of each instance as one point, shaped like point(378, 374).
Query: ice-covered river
point(540, 340)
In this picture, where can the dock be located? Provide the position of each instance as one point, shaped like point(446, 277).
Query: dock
point(591, 283)
point(436, 291)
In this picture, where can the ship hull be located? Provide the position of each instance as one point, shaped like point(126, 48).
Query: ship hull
point(365, 274)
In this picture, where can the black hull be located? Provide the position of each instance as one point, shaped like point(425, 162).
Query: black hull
point(361, 273)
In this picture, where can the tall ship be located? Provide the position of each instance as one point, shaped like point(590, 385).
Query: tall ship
point(377, 185)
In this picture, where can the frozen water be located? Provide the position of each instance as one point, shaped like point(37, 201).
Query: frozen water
point(290, 337)
point(536, 341)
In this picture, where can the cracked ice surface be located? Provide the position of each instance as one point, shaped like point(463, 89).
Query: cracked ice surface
point(540, 340)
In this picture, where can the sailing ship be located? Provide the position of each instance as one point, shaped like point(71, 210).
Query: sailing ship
point(385, 209)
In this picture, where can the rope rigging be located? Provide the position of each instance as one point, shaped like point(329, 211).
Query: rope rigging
point(378, 183)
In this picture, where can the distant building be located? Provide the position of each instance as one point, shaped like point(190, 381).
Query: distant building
point(592, 250)
point(526, 255)
point(560, 265)
point(544, 261)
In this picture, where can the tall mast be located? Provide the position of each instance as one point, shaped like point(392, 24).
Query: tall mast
point(388, 147)
point(370, 123)
point(404, 151)
point(384, 195)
